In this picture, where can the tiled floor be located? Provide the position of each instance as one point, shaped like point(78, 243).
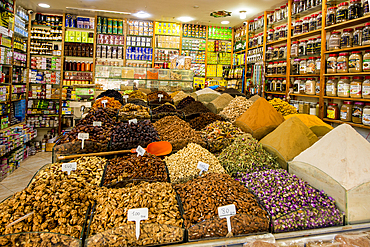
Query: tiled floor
point(20, 178)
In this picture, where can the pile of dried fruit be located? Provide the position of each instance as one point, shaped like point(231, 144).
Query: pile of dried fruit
point(110, 103)
point(236, 108)
point(283, 107)
point(155, 99)
point(203, 120)
point(103, 115)
point(131, 111)
point(137, 94)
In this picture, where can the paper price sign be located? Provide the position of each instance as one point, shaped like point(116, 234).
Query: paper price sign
point(134, 121)
point(160, 96)
point(137, 215)
point(83, 137)
point(125, 97)
point(226, 212)
point(97, 123)
point(68, 167)
point(140, 151)
point(104, 102)
point(202, 167)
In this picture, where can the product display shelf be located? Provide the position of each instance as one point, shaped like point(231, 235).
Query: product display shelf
point(349, 23)
point(280, 93)
point(278, 23)
point(277, 75)
point(306, 56)
point(350, 123)
point(308, 34)
point(277, 41)
point(347, 99)
point(309, 11)
point(239, 52)
point(355, 48)
point(304, 95)
point(307, 75)
point(348, 74)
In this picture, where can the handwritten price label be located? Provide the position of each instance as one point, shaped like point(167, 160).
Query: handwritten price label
point(97, 123)
point(203, 167)
point(140, 151)
point(134, 121)
point(68, 167)
point(104, 102)
point(160, 96)
point(137, 215)
point(125, 97)
point(83, 137)
point(226, 212)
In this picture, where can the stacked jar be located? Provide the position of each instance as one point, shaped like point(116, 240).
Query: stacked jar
point(355, 87)
point(346, 11)
point(306, 66)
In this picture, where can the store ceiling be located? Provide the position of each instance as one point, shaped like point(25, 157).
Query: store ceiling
point(161, 10)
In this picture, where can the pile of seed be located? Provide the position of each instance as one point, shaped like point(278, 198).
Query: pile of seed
point(204, 119)
point(195, 107)
point(236, 108)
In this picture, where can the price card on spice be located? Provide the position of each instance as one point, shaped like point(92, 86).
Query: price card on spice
point(226, 212)
point(83, 137)
point(160, 96)
point(137, 215)
point(203, 167)
point(104, 102)
point(97, 123)
point(140, 151)
point(68, 167)
point(125, 97)
point(132, 121)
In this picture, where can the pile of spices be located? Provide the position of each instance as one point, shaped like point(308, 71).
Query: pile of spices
point(179, 96)
point(184, 102)
point(293, 204)
point(283, 107)
point(254, 98)
point(220, 103)
point(204, 119)
point(107, 102)
point(315, 124)
point(155, 99)
point(235, 108)
point(233, 92)
point(207, 95)
point(194, 108)
point(246, 155)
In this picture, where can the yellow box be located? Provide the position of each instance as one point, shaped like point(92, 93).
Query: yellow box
point(78, 33)
point(90, 40)
point(72, 33)
point(72, 39)
point(84, 37)
point(78, 39)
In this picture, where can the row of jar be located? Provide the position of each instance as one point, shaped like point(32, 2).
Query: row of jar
point(257, 23)
point(349, 38)
point(306, 107)
point(306, 47)
point(346, 11)
point(310, 86)
point(357, 112)
point(255, 40)
point(352, 62)
point(299, 6)
point(356, 87)
point(278, 15)
point(306, 66)
point(308, 24)
point(276, 68)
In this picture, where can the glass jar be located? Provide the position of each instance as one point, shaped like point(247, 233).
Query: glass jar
point(342, 12)
point(270, 35)
point(357, 110)
point(271, 17)
point(366, 61)
point(274, 68)
point(366, 8)
point(283, 32)
point(366, 34)
point(297, 27)
point(356, 87)
point(318, 2)
point(269, 68)
point(278, 85)
point(344, 87)
point(283, 68)
point(296, 84)
point(308, 4)
point(331, 87)
point(281, 52)
point(294, 49)
point(318, 65)
point(346, 111)
point(302, 5)
point(282, 12)
point(334, 41)
point(317, 88)
point(332, 111)
point(278, 68)
point(355, 62)
point(275, 53)
point(295, 9)
point(366, 88)
point(273, 85)
point(302, 86)
point(277, 33)
point(303, 66)
point(310, 86)
point(295, 66)
point(251, 25)
point(302, 48)
point(313, 109)
point(366, 115)
point(313, 23)
point(342, 63)
point(269, 53)
point(284, 47)
point(311, 46)
point(311, 66)
point(306, 24)
point(347, 38)
point(354, 9)
point(268, 85)
point(319, 20)
point(331, 64)
point(318, 45)
point(277, 15)
point(331, 16)
point(357, 36)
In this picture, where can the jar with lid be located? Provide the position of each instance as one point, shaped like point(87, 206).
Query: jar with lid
point(354, 9)
point(302, 86)
point(282, 51)
point(366, 34)
point(310, 86)
point(261, 20)
point(270, 35)
point(366, 88)
point(318, 65)
point(295, 9)
point(302, 48)
point(277, 14)
point(275, 53)
point(347, 38)
point(269, 68)
point(356, 87)
point(366, 115)
point(283, 12)
point(283, 68)
point(319, 20)
point(313, 109)
point(313, 23)
point(295, 66)
point(357, 36)
point(273, 84)
point(271, 17)
point(311, 46)
point(311, 66)
point(294, 49)
point(283, 85)
point(269, 53)
point(331, 16)
point(357, 110)
point(331, 64)
point(355, 62)
point(342, 12)
point(301, 107)
point(366, 8)
point(308, 4)
point(318, 45)
point(366, 61)
point(278, 68)
point(306, 24)
point(277, 33)
point(278, 85)
point(334, 41)
point(346, 111)
point(317, 88)
point(296, 84)
point(274, 68)
point(342, 63)
point(303, 66)
point(332, 111)
point(344, 87)
point(297, 27)
point(283, 32)
point(331, 87)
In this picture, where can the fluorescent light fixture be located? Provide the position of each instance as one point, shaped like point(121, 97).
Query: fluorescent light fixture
point(99, 10)
point(44, 5)
point(185, 18)
point(142, 14)
point(243, 14)
point(225, 22)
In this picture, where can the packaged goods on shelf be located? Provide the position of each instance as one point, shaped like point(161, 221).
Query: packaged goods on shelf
point(52, 34)
point(164, 28)
point(48, 20)
point(194, 31)
point(109, 26)
point(79, 22)
point(139, 41)
point(140, 28)
point(45, 63)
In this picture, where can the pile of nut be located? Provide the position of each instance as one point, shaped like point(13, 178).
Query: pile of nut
point(130, 111)
point(182, 166)
point(153, 97)
point(236, 108)
point(103, 115)
point(136, 167)
point(30, 239)
point(137, 94)
point(202, 196)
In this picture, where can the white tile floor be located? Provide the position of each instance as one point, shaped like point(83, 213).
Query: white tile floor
point(20, 178)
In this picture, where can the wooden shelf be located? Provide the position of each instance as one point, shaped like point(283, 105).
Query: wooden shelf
point(270, 76)
point(307, 12)
point(349, 49)
point(240, 52)
point(15, 125)
point(305, 95)
point(308, 75)
point(350, 23)
point(304, 35)
point(281, 93)
point(277, 41)
point(350, 123)
point(348, 74)
point(347, 99)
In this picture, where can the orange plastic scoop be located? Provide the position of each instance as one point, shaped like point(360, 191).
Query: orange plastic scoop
point(157, 148)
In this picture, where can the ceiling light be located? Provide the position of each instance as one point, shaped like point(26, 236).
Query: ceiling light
point(243, 14)
point(142, 14)
point(225, 22)
point(44, 5)
point(185, 18)
point(99, 10)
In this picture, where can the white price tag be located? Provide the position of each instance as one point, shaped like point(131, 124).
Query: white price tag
point(137, 215)
point(134, 121)
point(83, 137)
point(140, 151)
point(160, 96)
point(97, 123)
point(226, 212)
point(202, 167)
point(125, 97)
point(104, 102)
point(68, 167)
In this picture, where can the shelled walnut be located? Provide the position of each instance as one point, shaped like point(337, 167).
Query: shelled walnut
point(38, 239)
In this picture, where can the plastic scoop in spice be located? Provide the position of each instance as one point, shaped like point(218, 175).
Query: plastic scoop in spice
point(157, 148)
